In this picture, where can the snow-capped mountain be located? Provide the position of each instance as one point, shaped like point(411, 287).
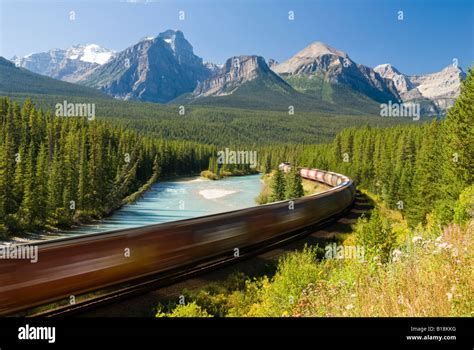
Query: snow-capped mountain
point(335, 66)
point(436, 91)
point(70, 64)
point(163, 68)
point(156, 69)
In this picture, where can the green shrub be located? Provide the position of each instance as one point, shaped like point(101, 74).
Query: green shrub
point(209, 175)
point(376, 236)
point(295, 271)
point(188, 310)
point(464, 209)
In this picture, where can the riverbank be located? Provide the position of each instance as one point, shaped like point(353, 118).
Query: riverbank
point(82, 219)
point(226, 173)
point(176, 198)
point(309, 187)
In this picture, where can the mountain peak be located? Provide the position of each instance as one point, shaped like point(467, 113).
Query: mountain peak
point(176, 41)
point(147, 38)
point(91, 53)
point(401, 82)
point(317, 56)
point(66, 64)
point(236, 71)
point(319, 48)
point(156, 69)
point(453, 68)
point(237, 62)
point(171, 33)
point(386, 68)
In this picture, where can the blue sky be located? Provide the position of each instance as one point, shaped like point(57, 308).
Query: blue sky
point(431, 35)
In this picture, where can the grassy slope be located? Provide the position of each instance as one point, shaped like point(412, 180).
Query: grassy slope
point(430, 275)
point(339, 95)
point(265, 94)
point(18, 81)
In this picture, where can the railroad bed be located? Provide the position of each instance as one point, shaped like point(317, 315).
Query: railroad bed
point(69, 267)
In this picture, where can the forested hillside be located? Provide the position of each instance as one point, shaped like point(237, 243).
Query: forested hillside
point(222, 126)
point(416, 169)
point(20, 81)
point(417, 242)
point(55, 171)
point(50, 164)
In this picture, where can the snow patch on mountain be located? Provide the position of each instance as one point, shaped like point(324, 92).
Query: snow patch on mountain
point(91, 53)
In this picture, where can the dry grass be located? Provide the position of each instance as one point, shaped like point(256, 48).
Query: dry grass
point(428, 276)
point(429, 272)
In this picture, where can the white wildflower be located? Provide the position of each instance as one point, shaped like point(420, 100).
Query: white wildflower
point(417, 238)
point(444, 245)
point(396, 255)
point(349, 307)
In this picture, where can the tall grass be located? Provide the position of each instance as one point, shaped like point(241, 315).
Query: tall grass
point(427, 271)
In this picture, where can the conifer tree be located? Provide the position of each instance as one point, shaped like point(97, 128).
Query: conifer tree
point(294, 186)
point(41, 179)
point(278, 186)
point(458, 142)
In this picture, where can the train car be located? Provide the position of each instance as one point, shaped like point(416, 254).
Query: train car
point(72, 266)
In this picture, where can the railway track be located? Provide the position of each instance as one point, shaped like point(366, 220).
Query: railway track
point(163, 254)
point(163, 280)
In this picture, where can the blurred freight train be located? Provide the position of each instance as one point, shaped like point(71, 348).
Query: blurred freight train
point(73, 266)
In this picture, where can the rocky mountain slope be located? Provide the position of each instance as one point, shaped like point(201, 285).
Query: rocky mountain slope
point(236, 72)
point(165, 69)
point(248, 82)
point(70, 65)
point(436, 91)
point(334, 66)
point(157, 69)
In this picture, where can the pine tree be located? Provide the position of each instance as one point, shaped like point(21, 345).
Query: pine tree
point(20, 169)
point(294, 186)
point(426, 177)
point(457, 151)
point(41, 187)
point(55, 191)
point(278, 186)
point(267, 164)
point(82, 188)
point(27, 210)
point(458, 142)
point(7, 170)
